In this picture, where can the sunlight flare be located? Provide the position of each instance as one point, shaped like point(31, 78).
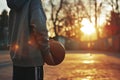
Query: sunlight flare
point(88, 61)
point(87, 27)
point(88, 30)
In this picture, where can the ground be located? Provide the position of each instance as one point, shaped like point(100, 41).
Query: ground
point(77, 65)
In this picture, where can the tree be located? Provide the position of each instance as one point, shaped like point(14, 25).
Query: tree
point(113, 23)
point(3, 24)
point(4, 19)
point(114, 4)
point(65, 14)
point(54, 15)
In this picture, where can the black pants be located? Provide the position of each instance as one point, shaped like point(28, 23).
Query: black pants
point(27, 73)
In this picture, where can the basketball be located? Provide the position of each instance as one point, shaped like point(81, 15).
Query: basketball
point(57, 51)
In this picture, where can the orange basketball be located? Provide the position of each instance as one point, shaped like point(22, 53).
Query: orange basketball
point(57, 51)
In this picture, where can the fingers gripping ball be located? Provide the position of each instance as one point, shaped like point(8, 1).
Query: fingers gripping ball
point(57, 51)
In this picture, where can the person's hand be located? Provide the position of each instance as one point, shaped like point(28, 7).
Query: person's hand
point(48, 58)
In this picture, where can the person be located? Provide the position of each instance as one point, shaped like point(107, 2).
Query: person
point(27, 53)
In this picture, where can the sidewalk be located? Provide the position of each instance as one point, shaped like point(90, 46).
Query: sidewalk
point(6, 72)
point(4, 57)
point(5, 66)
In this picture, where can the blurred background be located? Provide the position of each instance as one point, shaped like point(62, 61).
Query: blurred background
point(90, 32)
point(78, 24)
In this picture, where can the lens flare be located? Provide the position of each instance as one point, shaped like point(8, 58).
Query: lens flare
point(16, 47)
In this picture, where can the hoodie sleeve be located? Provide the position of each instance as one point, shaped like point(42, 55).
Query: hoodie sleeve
point(38, 18)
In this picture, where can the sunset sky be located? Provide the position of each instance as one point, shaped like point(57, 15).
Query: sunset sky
point(3, 5)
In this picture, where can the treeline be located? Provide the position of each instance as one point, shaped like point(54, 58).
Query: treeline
point(65, 17)
point(3, 29)
point(112, 26)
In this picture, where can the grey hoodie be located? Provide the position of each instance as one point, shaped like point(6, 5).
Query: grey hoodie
point(23, 50)
point(16, 4)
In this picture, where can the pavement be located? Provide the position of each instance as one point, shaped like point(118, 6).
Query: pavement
point(77, 65)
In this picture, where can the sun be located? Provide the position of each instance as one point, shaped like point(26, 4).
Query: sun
point(87, 27)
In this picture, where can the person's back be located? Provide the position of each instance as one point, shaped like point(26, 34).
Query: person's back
point(28, 59)
point(28, 55)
